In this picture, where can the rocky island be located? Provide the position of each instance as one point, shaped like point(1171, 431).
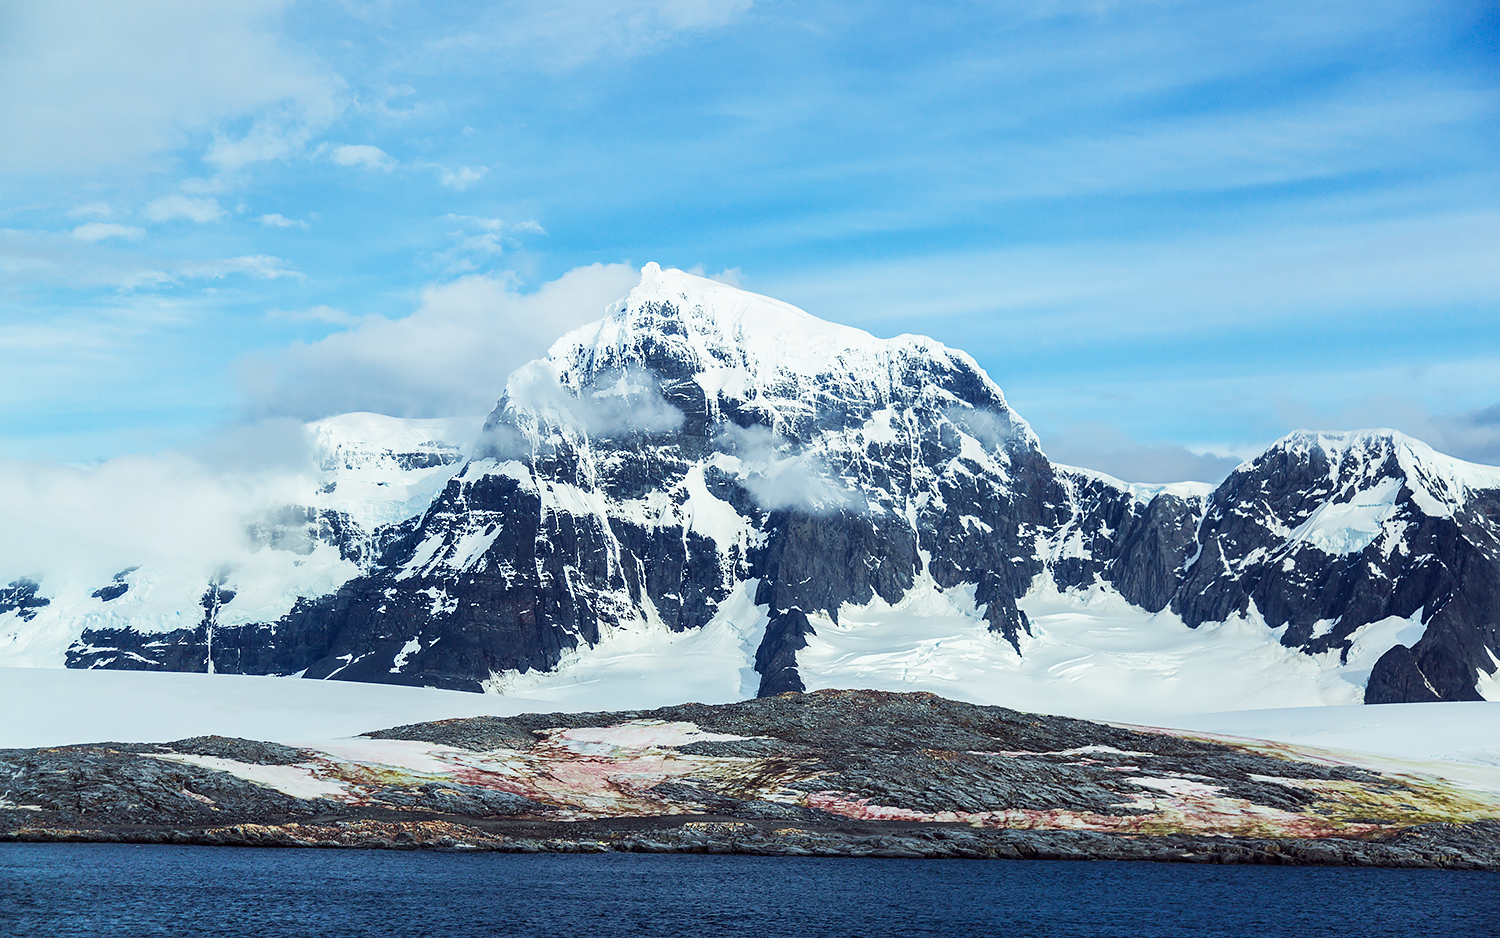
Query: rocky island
point(830, 773)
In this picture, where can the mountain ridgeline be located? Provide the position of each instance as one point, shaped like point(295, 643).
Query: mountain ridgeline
point(702, 443)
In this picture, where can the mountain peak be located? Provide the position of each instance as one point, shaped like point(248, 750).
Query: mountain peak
point(1355, 460)
point(746, 346)
point(716, 318)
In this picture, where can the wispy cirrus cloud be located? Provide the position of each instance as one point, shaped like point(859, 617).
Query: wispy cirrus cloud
point(480, 241)
point(459, 178)
point(92, 210)
point(264, 266)
point(566, 34)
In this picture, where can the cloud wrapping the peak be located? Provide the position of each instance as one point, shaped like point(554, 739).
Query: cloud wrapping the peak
point(184, 515)
point(619, 403)
point(781, 475)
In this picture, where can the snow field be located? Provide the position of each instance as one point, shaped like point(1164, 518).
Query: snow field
point(1090, 654)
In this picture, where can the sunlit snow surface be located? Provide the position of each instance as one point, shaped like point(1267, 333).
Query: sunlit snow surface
point(1090, 654)
point(356, 452)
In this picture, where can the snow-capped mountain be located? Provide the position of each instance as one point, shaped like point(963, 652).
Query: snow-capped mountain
point(712, 488)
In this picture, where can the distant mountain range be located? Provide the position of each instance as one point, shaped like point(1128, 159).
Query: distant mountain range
point(713, 488)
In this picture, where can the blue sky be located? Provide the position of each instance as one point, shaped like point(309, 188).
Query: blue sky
point(1171, 231)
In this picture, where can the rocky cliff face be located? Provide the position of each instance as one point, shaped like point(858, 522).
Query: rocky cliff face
point(701, 443)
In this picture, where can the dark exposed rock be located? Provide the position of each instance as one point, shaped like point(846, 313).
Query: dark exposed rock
point(476, 733)
point(21, 598)
point(240, 750)
point(776, 659)
point(117, 586)
point(461, 800)
point(82, 786)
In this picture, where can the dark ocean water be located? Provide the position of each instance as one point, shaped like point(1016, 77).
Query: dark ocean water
point(96, 889)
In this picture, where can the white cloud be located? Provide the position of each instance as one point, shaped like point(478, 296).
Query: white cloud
point(361, 154)
point(275, 220)
point(92, 210)
point(623, 402)
point(264, 266)
point(183, 515)
point(471, 251)
point(68, 260)
point(170, 207)
point(462, 177)
point(1092, 291)
point(269, 138)
point(112, 83)
point(452, 356)
point(733, 276)
point(780, 474)
point(100, 231)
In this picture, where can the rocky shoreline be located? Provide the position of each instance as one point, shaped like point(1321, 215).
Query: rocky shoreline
point(1439, 846)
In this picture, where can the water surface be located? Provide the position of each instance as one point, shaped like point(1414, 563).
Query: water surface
point(60, 890)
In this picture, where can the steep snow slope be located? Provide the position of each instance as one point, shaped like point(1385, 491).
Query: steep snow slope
point(716, 494)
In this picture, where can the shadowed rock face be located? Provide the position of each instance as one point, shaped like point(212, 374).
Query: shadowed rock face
point(700, 438)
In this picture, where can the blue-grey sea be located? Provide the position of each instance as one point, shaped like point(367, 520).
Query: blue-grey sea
point(97, 889)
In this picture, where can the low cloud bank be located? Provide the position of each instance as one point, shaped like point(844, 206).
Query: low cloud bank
point(450, 357)
point(1106, 449)
point(182, 513)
